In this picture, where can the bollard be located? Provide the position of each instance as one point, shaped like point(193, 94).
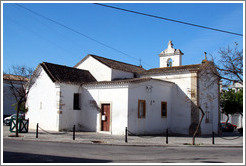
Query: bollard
point(37, 131)
point(73, 132)
point(213, 138)
point(166, 136)
point(126, 133)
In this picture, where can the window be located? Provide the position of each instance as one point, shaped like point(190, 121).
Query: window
point(76, 103)
point(169, 62)
point(163, 109)
point(141, 108)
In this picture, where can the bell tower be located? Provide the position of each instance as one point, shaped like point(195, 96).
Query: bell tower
point(170, 57)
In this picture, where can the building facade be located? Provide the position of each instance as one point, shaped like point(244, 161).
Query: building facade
point(104, 95)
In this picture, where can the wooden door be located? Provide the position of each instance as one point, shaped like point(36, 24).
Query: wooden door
point(105, 117)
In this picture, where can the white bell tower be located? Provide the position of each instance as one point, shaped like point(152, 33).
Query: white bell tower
point(170, 57)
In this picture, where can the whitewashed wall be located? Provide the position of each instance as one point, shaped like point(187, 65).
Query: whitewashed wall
point(42, 104)
point(99, 71)
point(117, 74)
point(181, 115)
point(8, 99)
point(236, 119)
point(176, 60)
point(102, 72)
point(69, 116)
point(209, 101)
point(153, 123)
point(116, 96)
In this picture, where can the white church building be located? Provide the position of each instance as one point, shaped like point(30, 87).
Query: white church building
point(104, 95)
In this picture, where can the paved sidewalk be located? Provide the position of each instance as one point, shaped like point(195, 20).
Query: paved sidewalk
point(229, 139)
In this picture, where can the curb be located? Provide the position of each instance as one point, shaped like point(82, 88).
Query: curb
point(126, 144)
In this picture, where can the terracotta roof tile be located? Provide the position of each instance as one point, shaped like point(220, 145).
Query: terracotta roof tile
point(125, 81)
point(64, 74)
point(14, 77)
point(195, 67)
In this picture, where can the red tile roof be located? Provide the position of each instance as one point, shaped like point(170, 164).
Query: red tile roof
point(125, 81)
point(195, 67)
point(11, 77)
point(184, 68)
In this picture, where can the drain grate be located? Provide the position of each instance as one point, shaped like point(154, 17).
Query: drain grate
point(97, 142)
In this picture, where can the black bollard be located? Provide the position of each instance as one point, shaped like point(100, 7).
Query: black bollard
point(126, 133)
point(73, 132)
point(166, 136)
point(37, 131)
point(213, 138)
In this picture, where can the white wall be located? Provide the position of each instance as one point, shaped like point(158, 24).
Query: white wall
point(69, 116)
point(116, 74)
point(41, 104)
point(99, 71)
point(209, 101)
point(8, 99)
point(102, 72)
point(153, 123)
point(181, 111)
point(176, 60)
point(116, 96)
point(181, 107)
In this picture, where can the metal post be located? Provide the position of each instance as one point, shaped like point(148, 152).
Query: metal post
point(73, 132)
point(166, 136)
point(213, 138)
point(37, 131)
point(126, 133)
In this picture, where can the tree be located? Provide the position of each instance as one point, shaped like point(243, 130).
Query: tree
point(23, 108)
point(231, 102)
point(20, 86)
point(230, 64)
point(208, 83)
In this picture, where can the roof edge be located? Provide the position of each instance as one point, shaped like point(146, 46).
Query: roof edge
point(82, 60)
point(125, 82)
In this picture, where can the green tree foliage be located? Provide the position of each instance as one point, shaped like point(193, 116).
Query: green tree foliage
point(23, 108)
point(232, 102)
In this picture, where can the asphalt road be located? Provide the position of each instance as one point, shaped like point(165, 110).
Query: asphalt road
point(20, 151)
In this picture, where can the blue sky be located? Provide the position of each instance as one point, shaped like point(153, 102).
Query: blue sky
point(29, 39)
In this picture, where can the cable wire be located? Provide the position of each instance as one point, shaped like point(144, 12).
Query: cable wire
point(77, 32)
point(168, 19)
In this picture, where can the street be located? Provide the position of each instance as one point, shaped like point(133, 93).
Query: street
point(21, 151)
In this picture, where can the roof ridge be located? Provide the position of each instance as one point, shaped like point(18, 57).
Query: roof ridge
point(43, 64)
point(74, 68)
point(114, 60)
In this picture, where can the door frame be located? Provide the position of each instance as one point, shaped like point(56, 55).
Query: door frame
point(100, 118)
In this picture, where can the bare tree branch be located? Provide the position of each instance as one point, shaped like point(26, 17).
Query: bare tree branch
point(230, 64)
point(21, 79)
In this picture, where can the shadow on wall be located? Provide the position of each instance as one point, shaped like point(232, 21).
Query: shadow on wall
point(185, 115)
point(192, 101)
point(90, 113)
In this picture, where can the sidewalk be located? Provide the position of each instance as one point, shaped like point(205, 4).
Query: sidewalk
point(229, 139)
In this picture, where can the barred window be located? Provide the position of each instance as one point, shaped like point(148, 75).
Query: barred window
point(164, 109)
point(76, 103)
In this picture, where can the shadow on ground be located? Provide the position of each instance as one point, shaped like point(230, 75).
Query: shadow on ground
point(15, 157)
